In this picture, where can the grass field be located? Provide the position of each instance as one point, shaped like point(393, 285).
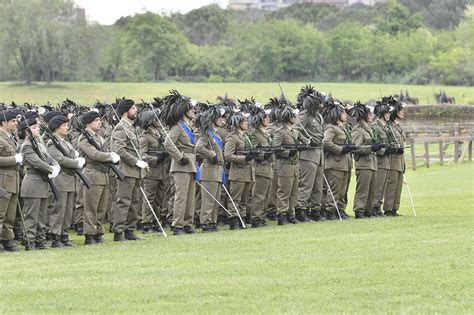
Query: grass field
point(402, 265)
point(90, 92)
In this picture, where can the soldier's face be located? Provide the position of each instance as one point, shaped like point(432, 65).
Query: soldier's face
point(95, 124)
point(132, 113)
point(219, 122)
point(401, 114)
point(370, 117)
point(11, 124)
point(266, 121)
point(244, 124)
point(343, 116)
point(293, 120)
point(156, 124)
point(35, 130)
point(63, 130)
point(190, 113)
point(386, 116)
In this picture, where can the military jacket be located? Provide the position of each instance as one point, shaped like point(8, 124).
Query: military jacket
point(380, 132)
point(125, 143)
point(311, 130)
point(94, 168)
point(240, 170)
point(66, 180)
point(179, 145)
point(33, 184)
point(397, 161)
point(9, 176)
point(151, 139)
point(208, 148)
point(287, 166)
point(334, 137)
point(262, 138)
point(362, 137)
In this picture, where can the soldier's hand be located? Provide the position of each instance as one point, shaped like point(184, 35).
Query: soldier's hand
point(81, 161)
point(249, 157)
point(19, 158)
point(292, 153)
point(345, 150)
point(214, 160)
point(141, 164)
point(76, 154)
point(184, 161)
point(376, 147)
point(115, 157)
point(401, 151)
point(267, 155)
point(54, 172)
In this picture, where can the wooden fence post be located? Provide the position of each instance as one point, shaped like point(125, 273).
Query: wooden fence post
point(413, 155)
point(427, 154)
point(441, 153)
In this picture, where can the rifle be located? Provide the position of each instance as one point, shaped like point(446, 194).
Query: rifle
point(299, 147)
point(115, 169)
point(34, 145)
point(86, 180)
point(158, 153)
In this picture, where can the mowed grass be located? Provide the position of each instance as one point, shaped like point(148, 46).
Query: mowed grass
point(89, 92)
point(402, 265)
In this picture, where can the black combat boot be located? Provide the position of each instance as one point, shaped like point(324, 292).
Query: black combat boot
point(40, 245)
point(272, 216)
point(301, 215)
point(189, 229)
point(79, 229)
point(29, 246)
point(360, 215)
point(56, 241)
point(395, 213)
point(309, 217)
point(318, 215)
point(129, 235)
point(66, 241)
point(178, 231)
point(234, 223)
point(9, 246)
point(331, 216)
point(148, 228)
point(292, 219)
point(368, 214)
point(257, 223)
point(345, 214)
point(387, 213)
point(118, 237)
point(214, 227)
point(99, 239)
point(89, 240)
point(207, 228)
point(282, 219)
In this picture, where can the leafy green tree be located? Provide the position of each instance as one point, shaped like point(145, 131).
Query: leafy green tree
point(398, 19)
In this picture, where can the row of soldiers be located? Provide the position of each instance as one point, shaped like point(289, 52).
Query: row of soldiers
point(180, 163)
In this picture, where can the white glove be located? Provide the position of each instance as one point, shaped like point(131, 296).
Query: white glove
point(142, 164)
point(19, 158)
point(76, 154)
point(55, 172)
point(81, 162)
point(115, 157)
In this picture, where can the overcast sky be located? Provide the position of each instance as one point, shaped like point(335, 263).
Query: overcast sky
point(108, 11)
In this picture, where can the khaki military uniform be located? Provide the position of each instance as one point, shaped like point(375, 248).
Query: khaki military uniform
point(211, 175)
point(107, 135)
point(342, 204)
point(9, 180)
point(154, 177)
point(35, 190)
point(95, 198)
point(337, 166)
point(125, 143)
point(241, 172)
point(366, 167)
point(272, 198)
point(263, 175)
point(287, 171)
point(61, 216)
point(78, 212)
point(380, 131)
point(393, 190)
point(311, 162)
point(179, 145)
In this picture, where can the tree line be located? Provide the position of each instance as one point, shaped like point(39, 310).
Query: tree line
point(401, 41)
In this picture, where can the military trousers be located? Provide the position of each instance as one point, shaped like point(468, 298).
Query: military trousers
point(337, 181)
point(111, 203)
point(380, 186)
point(154, 191)
point(95, 203)
point(209, 206)
point(128, 204)
point(393, 190)
point(272, 198)
point(342, 204)
point(61, 215)
point(168, 198)
point(310, 191)
point(365, 190)
point(35, 212)
point(240, 193)
point(287, 194)
point(79, 208)
point(8, 206)
point(260, 197)
point(184, 199)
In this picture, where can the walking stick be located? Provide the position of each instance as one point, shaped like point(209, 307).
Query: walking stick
point(409, 194)
point(333, 199)
point(235, 207)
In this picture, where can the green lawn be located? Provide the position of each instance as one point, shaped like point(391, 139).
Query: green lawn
point(402, 265)
point(89, 92)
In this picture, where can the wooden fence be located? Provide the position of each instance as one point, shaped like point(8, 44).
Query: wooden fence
point(461, 148)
